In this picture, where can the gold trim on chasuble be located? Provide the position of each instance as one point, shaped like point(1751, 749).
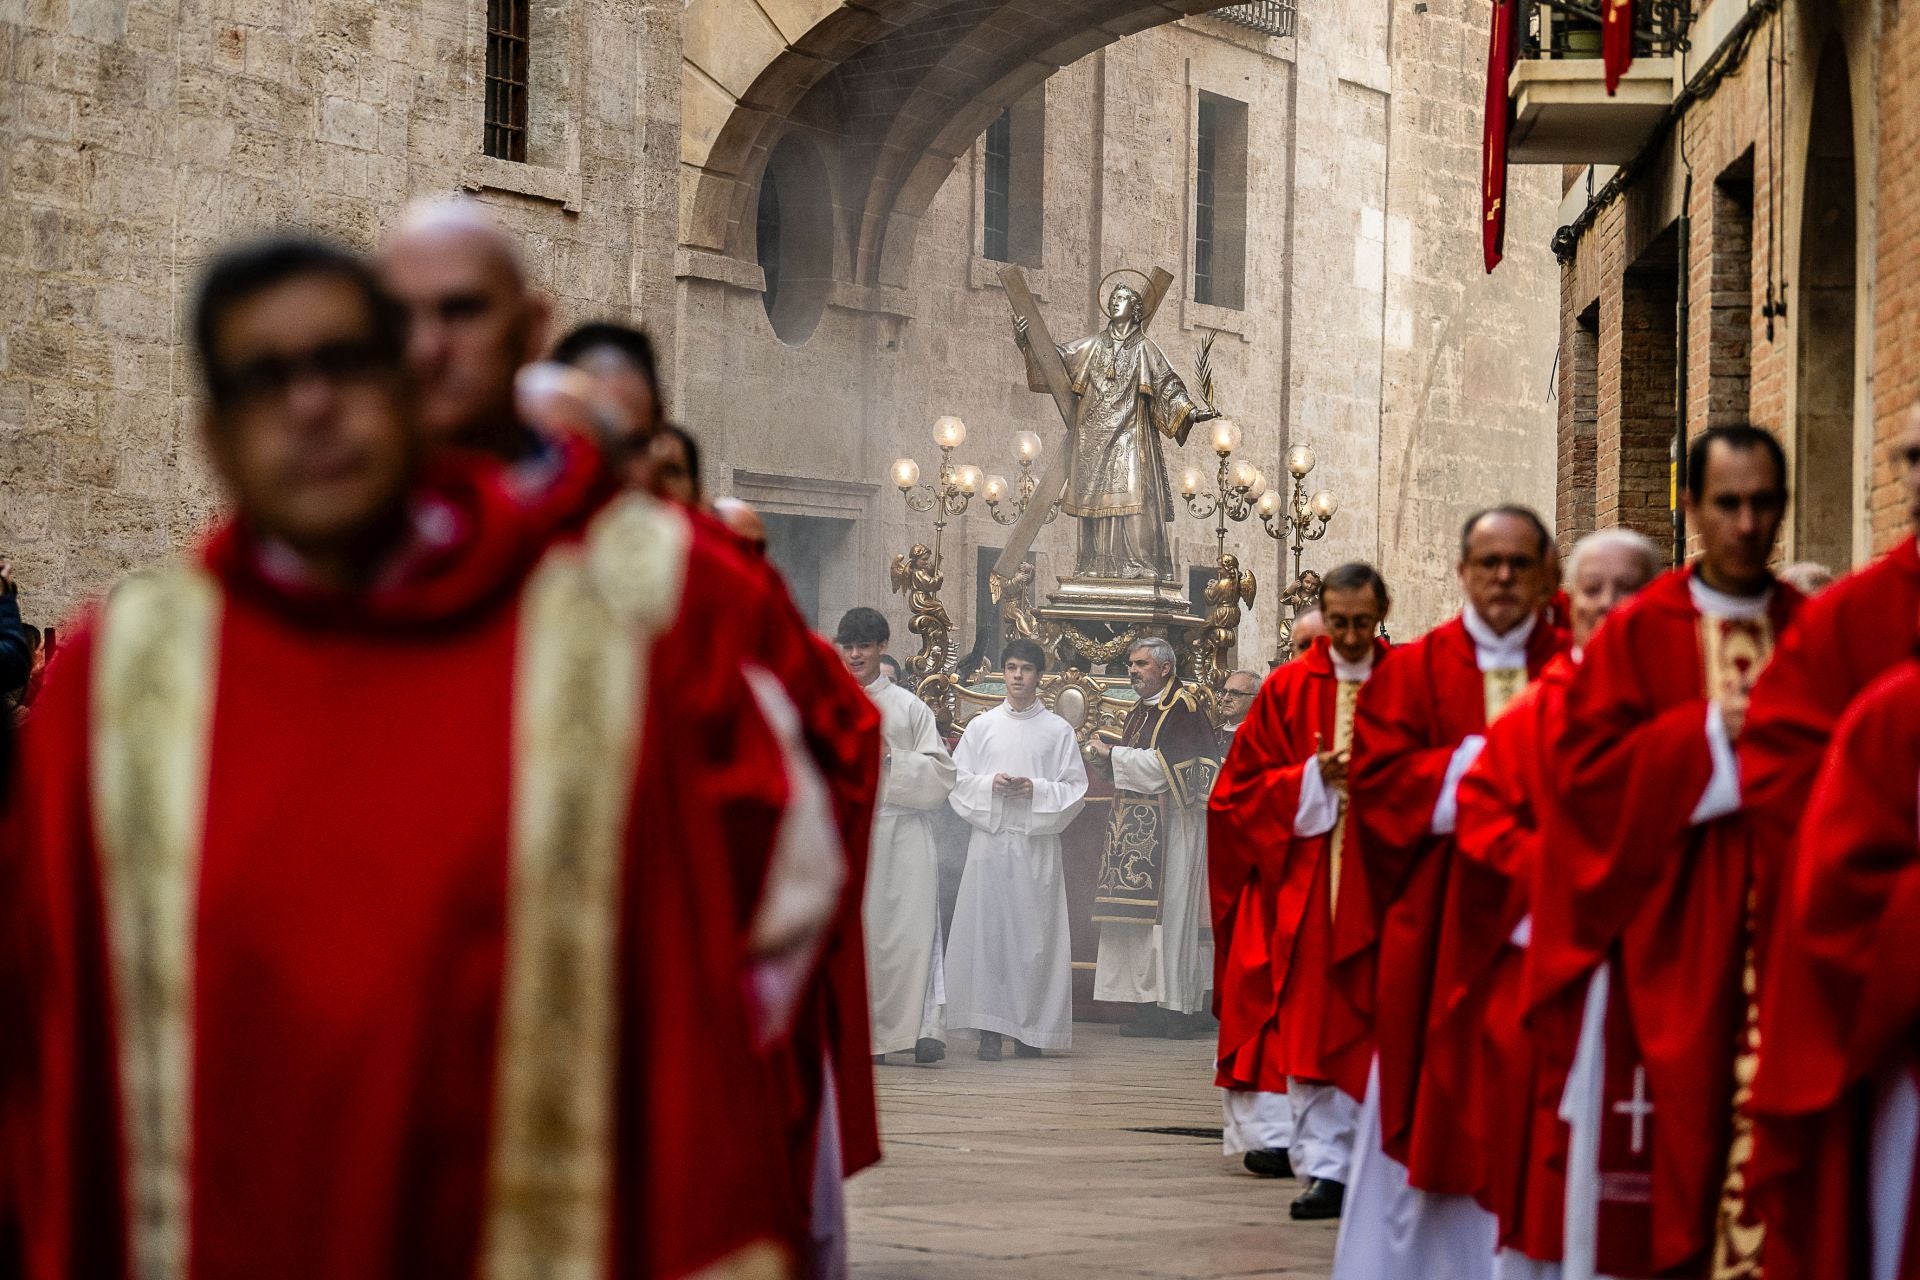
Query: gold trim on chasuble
point(1733, 653)
point(153, 690)
point(587, 619)
point(1346, 700)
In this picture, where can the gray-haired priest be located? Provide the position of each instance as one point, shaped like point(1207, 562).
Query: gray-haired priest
point(1151, 902)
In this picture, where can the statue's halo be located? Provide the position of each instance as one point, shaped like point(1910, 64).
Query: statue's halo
point(1123, 271)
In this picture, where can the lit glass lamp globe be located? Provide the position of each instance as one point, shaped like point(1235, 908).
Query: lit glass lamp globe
point(967, 479)
point(1259, 485)
point(1226, 436)
point(1269, 504)
point(1300, 459)
point(949, 432)
point(1242, 475)
point(1191, 482)
point(906, 474)
point(1027, 446)
point(996, 489)
point(1324, 504)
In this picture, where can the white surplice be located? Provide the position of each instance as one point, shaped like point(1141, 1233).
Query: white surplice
point(1164, 963)
point(901, 909)
point(1010, 958)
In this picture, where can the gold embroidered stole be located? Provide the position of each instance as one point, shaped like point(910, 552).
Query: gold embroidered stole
point(587, 620)
point(1499, 687)
point(154, 676)
point(1733, 653)
point(1345, 700)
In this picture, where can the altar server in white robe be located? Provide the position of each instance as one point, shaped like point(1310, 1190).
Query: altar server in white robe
point(901, 910)
point(1010, 958)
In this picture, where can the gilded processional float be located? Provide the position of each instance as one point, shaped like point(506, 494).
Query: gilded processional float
point(1120, 404)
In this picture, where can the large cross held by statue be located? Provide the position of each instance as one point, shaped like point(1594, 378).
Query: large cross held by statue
point(1046, 356)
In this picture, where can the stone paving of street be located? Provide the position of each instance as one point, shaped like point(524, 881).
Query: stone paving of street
point(1035, 1168)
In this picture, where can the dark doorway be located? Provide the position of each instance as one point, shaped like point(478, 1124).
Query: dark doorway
point(1829, 287)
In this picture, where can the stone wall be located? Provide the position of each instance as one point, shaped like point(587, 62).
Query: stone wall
point(140, 135)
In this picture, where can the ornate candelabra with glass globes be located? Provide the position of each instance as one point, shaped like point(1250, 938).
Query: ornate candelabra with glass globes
point(1239, 492)
point(1303, 520)
point(917, 574)
point(1016, 499)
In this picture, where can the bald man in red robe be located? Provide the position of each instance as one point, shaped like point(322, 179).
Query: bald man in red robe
point(1511, 828)
point(1844, 638)
point(1421, 721)
point(1275, 834)
point(1839, 1117)
point(822, 1020)
point(354, 927)
point(1664, 910)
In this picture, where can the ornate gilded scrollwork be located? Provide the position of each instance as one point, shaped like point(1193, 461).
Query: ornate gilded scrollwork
point(1230, 586)
point(917, 576)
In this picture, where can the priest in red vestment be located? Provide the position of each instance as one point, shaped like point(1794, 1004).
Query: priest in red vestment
point(1275, 834)
point(474, 320)
point(1664, 902)
point(1842, 1128)
point(324, 963)
point(1843, 639)
point(830, 1138)
point(1511, 826)
point(1421, 720)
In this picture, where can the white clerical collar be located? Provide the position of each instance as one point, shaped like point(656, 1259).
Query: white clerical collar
point(879, 685)
point(1498, 652)
point(1033, 709)
point(1721, 605)
point(1350, 671)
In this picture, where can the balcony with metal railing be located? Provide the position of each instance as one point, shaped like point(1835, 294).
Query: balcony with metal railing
point(1268, 17)
point(1562, 112)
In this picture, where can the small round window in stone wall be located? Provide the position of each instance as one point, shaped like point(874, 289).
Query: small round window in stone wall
point(793, 238)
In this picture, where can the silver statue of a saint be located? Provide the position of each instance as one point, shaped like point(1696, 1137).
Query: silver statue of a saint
point(1126, 396)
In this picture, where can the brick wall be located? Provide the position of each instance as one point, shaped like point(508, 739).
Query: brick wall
point(1897, 310)
point(1743, 252)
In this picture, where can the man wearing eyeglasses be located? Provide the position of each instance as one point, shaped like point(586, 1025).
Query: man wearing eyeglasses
point(372, 924)
point(1419, 723)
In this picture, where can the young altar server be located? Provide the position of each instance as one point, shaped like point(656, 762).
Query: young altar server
point(1021, 782)
point(902, 907)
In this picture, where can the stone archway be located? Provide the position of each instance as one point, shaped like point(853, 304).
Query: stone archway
point(904, 87)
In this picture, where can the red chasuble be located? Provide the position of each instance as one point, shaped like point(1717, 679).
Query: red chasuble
point(1837, 646)
point(1423, 700)
point(1510, 821)
point(1841, 1004)
point(1667, 899)
point(1272, 894)
point(395, 935)
point(842, 731)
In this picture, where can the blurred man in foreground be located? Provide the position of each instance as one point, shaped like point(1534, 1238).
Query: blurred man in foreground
point(474, 919)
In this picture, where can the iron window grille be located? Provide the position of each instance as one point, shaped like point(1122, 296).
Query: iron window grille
point(999, 187)
point(508, 22)
point(1268, 17)
point(1207, 150)
point(1571, 28)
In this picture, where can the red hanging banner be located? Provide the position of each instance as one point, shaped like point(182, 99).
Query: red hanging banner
point(1493, 179)
point(1616, 40)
